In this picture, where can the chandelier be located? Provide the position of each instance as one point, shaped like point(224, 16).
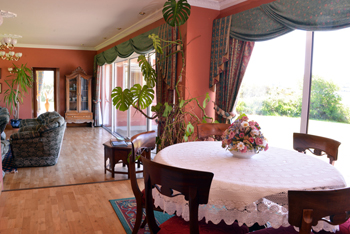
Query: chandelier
point(6, 14)
point(8, 42)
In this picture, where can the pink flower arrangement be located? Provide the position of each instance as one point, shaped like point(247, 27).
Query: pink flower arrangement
point(244, 135)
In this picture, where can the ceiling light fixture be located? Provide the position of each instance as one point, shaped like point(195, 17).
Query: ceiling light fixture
point(8, 42)
point(6, 14)
point(142, 13)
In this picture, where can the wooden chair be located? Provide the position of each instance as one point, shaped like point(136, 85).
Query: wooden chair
point(317, 145)
point(194, 186)
point(307, 208)
point(211, 130)
point(142, 144)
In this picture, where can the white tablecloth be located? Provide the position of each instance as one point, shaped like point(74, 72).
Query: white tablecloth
point(240, 186)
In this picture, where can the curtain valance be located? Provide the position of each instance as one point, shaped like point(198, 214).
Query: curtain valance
point(140, 44)
point(282, 16)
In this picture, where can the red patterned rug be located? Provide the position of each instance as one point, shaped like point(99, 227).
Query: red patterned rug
point(126, 211)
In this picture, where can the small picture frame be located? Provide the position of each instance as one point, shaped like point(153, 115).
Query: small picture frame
point(0, 88)
point(0, 73)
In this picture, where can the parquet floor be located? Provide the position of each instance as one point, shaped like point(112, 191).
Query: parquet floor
point(76, 193)
point(79, 209)
point(81, 161)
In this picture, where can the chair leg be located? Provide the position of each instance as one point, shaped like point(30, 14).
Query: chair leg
point(138, 220)
point(144, 222)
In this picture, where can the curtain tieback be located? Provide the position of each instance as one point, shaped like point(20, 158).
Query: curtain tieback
point(224, 114)
point(98, 101)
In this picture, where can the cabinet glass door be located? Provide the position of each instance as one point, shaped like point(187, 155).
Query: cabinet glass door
point(73, 94)
point(84, 94)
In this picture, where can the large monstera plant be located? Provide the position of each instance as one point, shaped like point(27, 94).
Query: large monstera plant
point(176, 126)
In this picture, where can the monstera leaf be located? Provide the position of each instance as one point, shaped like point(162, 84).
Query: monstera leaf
point(147, 71)
point(143, 96)
point(121, 99)
point(176, 13)
point(156, 43)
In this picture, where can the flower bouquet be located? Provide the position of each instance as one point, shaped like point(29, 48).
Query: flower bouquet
point(244, 136)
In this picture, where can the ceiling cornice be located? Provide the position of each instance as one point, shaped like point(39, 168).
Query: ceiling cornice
point(215, 5)
point(157, 15)
point(54, 47)
point(228, 3)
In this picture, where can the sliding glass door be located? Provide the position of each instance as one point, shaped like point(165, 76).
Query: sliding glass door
point(123, 73)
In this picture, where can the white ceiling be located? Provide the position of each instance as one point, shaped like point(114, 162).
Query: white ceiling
point(84, 24)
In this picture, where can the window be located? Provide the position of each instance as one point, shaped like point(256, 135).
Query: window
point(123, 73)
point(284, 75)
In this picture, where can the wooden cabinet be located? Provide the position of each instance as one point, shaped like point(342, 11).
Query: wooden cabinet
point(78, 97)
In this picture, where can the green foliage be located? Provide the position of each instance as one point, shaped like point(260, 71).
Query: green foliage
point(147, 71)
point(176, 13)
point(23, 79)
point(168, 109)
point(121, 99)
point(156, 43)
point(10, 97)
point(325, 103)
point(142, 96)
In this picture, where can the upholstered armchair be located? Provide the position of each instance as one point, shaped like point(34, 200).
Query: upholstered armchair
point(4, 119)
point(38, 141)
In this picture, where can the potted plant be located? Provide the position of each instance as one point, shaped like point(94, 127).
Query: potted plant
point(174, 119)
point(23, 79)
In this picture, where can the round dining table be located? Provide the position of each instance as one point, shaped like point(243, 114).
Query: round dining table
point(250, 190)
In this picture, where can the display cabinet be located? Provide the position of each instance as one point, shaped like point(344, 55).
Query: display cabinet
point(78, 97)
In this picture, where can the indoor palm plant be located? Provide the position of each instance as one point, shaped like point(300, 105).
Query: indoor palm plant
point(23, 80)
point(174, 119)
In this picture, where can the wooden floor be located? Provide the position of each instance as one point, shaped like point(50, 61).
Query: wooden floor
point(68, 209)
point(76, 193)
point(81, 161)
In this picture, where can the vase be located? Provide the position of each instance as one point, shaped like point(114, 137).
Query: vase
point(238, 154)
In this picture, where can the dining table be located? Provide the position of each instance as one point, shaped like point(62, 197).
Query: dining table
point(249, 191)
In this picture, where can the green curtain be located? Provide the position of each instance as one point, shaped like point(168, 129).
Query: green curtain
point(282, 16)
point(140, 44)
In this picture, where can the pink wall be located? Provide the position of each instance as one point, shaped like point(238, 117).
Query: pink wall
point(65, 60)
point(199, 33)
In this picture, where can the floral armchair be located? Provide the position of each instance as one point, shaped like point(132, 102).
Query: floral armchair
point(4, 119)
point(38, 141)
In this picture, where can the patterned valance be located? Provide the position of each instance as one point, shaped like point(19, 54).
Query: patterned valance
point(282, 16)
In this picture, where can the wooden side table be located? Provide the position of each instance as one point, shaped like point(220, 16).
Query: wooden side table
point(115, 154)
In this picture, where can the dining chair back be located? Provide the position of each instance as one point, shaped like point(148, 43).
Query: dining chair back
point(171, 182)
point(211, 130)
point(141, 144)
point(317, 145)
point(307, 208)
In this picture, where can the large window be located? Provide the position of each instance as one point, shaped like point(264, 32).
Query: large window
point(299, 83)
point(123, 73)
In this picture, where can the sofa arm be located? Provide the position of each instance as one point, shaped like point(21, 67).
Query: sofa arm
point(29, 128)
point(29, 122)
point(24, 135)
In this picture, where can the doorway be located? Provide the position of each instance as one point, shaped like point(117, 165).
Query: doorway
point(45, 90)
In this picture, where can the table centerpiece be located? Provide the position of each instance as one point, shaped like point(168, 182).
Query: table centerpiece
point(244, 138)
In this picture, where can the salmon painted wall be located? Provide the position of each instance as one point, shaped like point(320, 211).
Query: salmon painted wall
point(198, 49)
point(66, 60)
